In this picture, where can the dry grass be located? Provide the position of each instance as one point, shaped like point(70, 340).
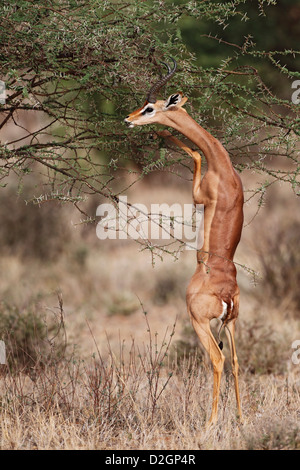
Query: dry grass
point(126, 380)
point(137, 404)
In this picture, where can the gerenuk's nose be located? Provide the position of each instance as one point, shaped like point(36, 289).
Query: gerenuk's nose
point(128, 123)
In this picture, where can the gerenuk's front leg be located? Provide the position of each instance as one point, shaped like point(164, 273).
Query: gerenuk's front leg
point(197, 196)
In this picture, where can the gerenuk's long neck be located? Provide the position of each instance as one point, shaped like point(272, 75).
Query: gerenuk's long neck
point(222, 195)
point(216, 156)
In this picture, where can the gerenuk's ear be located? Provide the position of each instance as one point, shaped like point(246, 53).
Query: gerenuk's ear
point(175, 100)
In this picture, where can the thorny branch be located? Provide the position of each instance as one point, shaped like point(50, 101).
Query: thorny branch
point(73, 71)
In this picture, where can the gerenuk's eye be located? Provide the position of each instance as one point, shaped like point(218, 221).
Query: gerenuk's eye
point(147, 110)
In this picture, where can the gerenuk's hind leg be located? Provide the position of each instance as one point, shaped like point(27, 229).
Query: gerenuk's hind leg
point(206, 337)
point(230, 328)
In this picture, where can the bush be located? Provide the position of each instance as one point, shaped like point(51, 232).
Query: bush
point(276, 435)
point(27, 338)
point(122, 303)
point(280, 262)
point(170, 284)
point(31, 231)
point(261, 349)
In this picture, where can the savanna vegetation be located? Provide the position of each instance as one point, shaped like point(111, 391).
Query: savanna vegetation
point(100, 352)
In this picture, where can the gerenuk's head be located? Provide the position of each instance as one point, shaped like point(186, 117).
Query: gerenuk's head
point(153, 110)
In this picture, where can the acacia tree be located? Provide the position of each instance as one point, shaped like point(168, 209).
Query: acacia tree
point(76, 67)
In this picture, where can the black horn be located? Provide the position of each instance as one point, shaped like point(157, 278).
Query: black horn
point(151, 97)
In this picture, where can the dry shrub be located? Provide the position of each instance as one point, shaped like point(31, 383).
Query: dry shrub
point(170, 285)
point(274, 434)
point(30, 341)
point(29, 230)
point(112, 393)
point(260, 348)
point(280, 265)
point(136, 400)
point(123, 303)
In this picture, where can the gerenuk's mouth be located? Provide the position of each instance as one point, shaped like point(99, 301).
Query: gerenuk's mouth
point(128, 123)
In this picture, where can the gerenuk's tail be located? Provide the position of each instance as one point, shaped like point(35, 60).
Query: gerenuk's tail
point(226, 316)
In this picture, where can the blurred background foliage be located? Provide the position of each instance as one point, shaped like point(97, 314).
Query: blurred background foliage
point(272, 27)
